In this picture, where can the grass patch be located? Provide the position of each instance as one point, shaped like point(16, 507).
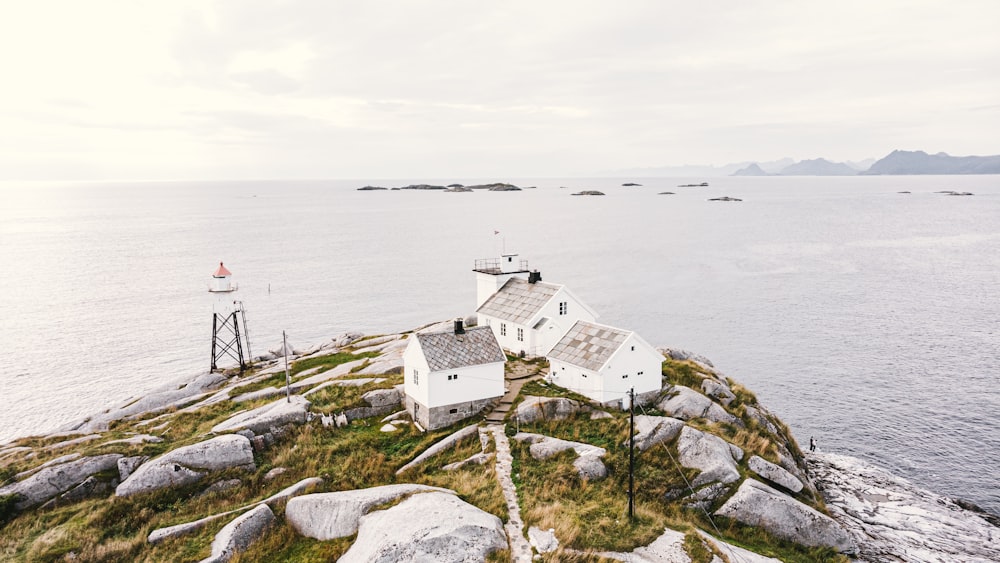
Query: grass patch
point(682, 373)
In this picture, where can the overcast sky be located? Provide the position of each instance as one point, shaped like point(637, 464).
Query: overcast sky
point(104, 90)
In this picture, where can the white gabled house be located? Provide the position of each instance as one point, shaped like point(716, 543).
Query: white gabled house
point(452, 375)
point(603, 363)
point(530, 316)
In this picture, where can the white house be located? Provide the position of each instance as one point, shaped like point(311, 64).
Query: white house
point(603, 363)
point(452, 375)
point(530, 315)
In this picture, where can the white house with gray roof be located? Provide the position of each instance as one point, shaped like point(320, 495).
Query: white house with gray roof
point(530, 315)
point(602, 363)
point(452, 375)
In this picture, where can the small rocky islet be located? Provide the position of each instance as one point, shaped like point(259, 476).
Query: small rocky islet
point(228, 466)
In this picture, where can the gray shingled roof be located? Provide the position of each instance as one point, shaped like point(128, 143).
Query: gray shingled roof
point(447, 350)
point(518, 301)
point(588, 345)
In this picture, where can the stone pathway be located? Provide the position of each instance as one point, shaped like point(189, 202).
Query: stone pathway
point(520, 549)
point(507, 401)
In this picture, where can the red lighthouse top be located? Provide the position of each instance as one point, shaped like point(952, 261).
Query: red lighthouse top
point(222, 271)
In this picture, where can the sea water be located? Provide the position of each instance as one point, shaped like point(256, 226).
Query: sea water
point(863, 317)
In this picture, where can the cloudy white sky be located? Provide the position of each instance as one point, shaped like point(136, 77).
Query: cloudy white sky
point(133, 89)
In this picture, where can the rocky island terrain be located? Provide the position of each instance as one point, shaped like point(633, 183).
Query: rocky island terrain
point(242, 467)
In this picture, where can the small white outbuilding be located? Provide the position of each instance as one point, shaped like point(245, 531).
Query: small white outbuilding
point(452, 375)
point(603, 363)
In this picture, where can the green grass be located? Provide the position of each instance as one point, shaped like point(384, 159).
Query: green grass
point(682, 373)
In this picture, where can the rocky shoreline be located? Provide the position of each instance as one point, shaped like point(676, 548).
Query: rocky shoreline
point(236, 461)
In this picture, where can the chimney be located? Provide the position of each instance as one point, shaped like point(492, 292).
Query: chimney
point(459, 329)
point(534, 276)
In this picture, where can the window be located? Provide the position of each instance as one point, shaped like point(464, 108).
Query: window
point(452, 377)
point(633, 348)
point(503, 329)
point(640, 373)
point(416, 377)
point(625, 376)
point(453, 411)
point(520, 335)
point(563, 306)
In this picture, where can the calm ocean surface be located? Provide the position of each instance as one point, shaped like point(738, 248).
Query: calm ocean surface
point(861, 316)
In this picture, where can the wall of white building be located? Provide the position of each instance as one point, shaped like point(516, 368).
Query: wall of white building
point(470, 383)
point(640, 362)
point(539, 342)
point(414, 361)
point(635, 364)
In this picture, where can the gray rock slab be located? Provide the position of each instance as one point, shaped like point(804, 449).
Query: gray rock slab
point(442, 445)
point(398, 416)
point(718, 390)
point(684, 355)
point(543, 447)
point(275, 473)
point(475, 459)
point(261, 419)
point(325, 516)
point(588, 464)
point(333, 373)
point(258, 394)
point(381, 397)
point(756, 504)
point(137, 440)
point(189, 464)
point(161, 534)
point(433, 526)
point(127, 465)
point(590, 467)
point(533, 408)
point(58, 479)
point(709, 454)
point(893, 520)
point(389, 363)
point(686, 403)
point(293, 490)
point(238, 535)
point(544, 541)
point(160, 399)
point(774, 473)
point(50, 463)
point(346, 339)
point(91, 487)
point(653, 430)
point(73, 442)
point(758, 414)
point(667, 548)
point(735, 553)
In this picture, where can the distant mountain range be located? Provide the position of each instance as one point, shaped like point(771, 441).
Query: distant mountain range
point(898, 162)
point(919, 162)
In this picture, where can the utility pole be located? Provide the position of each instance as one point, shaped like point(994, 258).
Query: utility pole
point(288, 379)
point(631, 454)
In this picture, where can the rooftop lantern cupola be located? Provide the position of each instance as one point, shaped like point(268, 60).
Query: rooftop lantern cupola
point(221, 282)
point(492, 273)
